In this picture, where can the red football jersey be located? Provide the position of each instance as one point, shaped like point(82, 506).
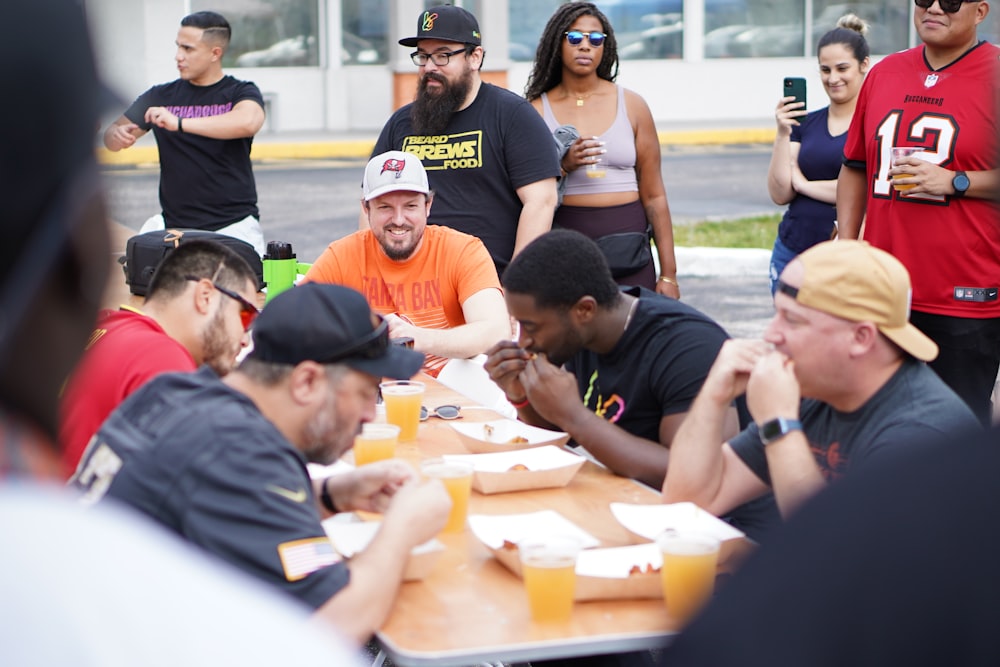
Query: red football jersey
point(951, 246)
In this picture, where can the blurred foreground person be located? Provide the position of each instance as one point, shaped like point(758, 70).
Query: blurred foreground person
point(100, 588)
point(893, 566)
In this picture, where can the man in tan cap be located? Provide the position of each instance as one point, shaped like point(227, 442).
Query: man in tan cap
point(841, 340)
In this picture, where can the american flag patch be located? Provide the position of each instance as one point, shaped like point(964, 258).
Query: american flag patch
point(303, 557)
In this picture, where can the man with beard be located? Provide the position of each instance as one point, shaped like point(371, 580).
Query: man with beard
point(491, 159)
point(222, 462)
point(197, 310)
point(434, 285)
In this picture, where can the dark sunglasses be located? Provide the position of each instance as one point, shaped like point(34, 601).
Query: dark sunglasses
point(372, 346)
point(248, 311)
point(441, 412)
point(574, 37)
point(948, 6)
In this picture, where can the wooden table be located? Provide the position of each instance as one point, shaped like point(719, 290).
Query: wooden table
point(472, 609)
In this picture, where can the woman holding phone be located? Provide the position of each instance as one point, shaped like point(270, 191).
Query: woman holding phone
point(809, 146)
point(613, 188)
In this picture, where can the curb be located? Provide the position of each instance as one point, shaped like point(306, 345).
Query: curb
point(361, 148)
point(701, 262)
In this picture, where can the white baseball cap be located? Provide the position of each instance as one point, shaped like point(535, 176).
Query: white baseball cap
point(394, 171)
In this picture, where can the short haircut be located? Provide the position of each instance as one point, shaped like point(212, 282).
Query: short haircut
point(215, 25)
point(270, 373)
point(201, 259)
point(559, 268)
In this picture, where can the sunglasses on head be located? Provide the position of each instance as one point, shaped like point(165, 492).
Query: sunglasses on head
point(248, 311)
point(372, 346)
point(947, 6)
point(574, 37)
point(441, 412)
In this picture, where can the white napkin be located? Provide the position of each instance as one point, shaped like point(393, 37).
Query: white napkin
point(651, 520)
point(350, 538)
point(317, 471)
point(492, 530)
point(616, 562)
point(548, 457)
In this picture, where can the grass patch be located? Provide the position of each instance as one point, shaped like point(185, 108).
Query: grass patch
point(755, 232)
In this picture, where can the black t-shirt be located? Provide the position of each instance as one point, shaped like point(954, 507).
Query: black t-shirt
point(201, 459)
point(496, 145)
point(656, 368)
point(204, 183)
point(913, 405)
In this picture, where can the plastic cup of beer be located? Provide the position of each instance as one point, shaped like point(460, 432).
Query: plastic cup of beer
point(548, 567)
point(690, 560)
point(402, 400)
point(457, 479)
point(598, 168)
point(375, 443)
point(899, 152)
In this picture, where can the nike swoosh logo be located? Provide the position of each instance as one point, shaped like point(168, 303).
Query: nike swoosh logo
point(299, 496)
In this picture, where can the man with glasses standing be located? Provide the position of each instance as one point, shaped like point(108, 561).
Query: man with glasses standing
point(937, 212)
point(222, 462)
point(197, 311)
point(491, 161)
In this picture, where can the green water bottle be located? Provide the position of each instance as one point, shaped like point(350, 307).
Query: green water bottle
point(280, 268)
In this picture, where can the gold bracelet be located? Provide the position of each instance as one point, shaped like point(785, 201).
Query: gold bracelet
point(669, 280)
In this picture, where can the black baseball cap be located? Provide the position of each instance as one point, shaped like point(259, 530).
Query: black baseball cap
point(330, 324)
point(447, 23)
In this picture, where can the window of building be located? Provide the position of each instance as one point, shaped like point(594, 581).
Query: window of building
point(364, 40)
point(269, 33)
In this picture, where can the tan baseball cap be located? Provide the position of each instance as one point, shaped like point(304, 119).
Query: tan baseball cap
point(853, 280)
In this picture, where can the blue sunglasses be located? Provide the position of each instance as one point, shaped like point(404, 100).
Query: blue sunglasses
point(574, 37)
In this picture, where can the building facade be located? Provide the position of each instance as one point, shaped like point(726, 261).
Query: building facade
point(335, 66)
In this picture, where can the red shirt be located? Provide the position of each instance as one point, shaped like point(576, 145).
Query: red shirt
point(125, 351)
point(945, 242)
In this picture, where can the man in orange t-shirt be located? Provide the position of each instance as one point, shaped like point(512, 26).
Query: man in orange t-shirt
point(435, 285)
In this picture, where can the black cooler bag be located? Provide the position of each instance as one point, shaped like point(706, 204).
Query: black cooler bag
point(143, 253)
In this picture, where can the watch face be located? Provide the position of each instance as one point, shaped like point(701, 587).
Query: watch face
point(960, 182)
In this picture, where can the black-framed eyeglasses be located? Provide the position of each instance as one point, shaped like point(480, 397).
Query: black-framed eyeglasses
point(248, 311)
point(947, 6)
point(574, 37)
point(441, 412)
point(372, 346)
point(440, 58)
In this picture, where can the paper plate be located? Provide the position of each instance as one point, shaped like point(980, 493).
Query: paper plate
point(504, 435)
point(542, 467)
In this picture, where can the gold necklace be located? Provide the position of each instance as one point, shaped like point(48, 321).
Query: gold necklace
point(580, 98)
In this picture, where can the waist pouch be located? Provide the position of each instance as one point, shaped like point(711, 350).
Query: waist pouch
point(626, 252)
point(144, 252)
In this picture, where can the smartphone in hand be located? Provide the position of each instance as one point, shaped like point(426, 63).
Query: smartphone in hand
point(795, 86)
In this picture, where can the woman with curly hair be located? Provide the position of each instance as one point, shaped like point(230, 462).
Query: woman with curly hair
point(618, 203)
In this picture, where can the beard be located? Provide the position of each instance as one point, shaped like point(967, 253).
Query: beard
point(396, 253)
point(220, 352)
point(431, 112)
point(325, 438)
